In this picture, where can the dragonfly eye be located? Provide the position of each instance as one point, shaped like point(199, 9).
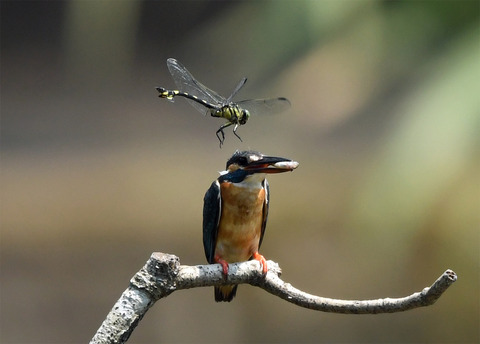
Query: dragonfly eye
point(244, 118)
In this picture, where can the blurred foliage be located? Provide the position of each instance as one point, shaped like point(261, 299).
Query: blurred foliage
point(97, 172)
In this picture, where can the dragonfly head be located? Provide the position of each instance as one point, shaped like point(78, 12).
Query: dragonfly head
point(245, 115)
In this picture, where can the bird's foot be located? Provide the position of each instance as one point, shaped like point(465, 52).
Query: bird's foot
point(224, 265)
point(262, 260)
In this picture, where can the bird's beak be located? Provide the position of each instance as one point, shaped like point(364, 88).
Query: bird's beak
point(270, 164)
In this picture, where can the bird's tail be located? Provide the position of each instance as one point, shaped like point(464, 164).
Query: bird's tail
point(225, 293)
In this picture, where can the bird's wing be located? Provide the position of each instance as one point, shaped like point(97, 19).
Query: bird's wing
point(266, 204)
point(212, 205)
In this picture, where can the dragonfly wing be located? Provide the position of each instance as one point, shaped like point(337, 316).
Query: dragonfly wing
point(235, 91)
point(187, 83)
point(265, 106)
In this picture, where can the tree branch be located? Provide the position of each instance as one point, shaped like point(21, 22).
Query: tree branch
point(163, 274)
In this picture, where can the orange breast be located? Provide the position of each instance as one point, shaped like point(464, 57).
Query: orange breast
point(240, 223)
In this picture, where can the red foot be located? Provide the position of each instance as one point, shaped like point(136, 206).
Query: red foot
point(223, 263)
point(262, 260)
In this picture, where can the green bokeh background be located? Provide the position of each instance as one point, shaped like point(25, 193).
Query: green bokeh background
point(97, 172)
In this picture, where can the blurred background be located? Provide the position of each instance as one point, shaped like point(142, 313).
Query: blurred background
point(97, 172)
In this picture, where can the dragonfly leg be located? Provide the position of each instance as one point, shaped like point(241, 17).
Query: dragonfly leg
point(235, 132)
point(220, 131)
point(222, 138)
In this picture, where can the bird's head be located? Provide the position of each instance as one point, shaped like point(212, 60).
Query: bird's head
point(243, 164)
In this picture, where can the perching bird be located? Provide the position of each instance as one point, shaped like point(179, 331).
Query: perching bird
point(235, 212)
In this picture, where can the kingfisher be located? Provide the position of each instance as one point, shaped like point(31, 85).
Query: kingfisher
point(235, 212)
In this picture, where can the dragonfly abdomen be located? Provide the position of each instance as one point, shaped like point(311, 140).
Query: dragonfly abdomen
point(169, 94)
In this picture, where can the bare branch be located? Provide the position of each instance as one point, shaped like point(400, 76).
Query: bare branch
point(163, 274)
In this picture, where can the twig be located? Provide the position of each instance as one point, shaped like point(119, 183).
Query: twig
point(163, 274)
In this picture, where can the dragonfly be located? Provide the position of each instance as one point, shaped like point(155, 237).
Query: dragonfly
point(210, 102)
